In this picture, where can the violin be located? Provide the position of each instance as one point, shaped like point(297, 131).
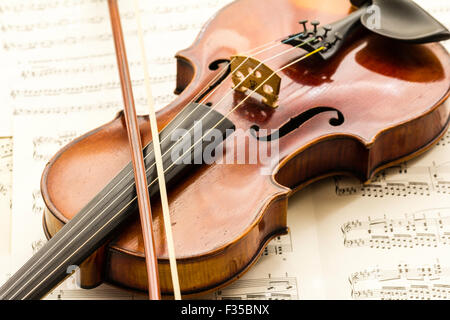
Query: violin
point(339, 93)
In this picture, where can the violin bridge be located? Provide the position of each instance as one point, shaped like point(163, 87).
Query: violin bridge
point(251, 74)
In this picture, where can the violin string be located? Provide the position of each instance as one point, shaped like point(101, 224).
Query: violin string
point(129, 203)
point(262, 48)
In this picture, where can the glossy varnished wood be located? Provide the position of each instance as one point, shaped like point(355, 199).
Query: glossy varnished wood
point(390, 94)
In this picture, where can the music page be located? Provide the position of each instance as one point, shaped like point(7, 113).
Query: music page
point(386, 239)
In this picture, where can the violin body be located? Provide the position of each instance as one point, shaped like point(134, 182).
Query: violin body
point(391, 97)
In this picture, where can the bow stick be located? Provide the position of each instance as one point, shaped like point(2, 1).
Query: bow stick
point(136, 152)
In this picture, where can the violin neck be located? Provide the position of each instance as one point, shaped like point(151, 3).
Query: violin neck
point(103, 215)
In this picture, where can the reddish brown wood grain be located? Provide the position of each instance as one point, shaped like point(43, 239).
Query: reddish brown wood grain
point(390, 94)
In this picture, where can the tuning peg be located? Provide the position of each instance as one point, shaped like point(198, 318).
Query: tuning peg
point(337, 37)
point(327, 29)
point(315, 23)
point(304, 22)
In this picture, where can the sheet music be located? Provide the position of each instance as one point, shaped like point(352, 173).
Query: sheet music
point(392, 244)
point(384, 240)
point(65, 56)
point(270, 288)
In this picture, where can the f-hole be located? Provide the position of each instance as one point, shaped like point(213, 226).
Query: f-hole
point(297, 121)
point(216, 65)
point(213, 66)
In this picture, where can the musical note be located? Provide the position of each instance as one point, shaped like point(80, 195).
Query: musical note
point(37, 245)
point(428, 228)
point(281, 288)
point(90, 68)
point(86, 88)
point(279, 245)
point(38, 205)
point(45, 147)
point(405, 282)
point(445, 140)
point(87, 39)
point(402, 271)
point(100, 293)
point(79, 56)
point(440, 176)
point(26, 6)
point(399, 181)
point(111, 106)
point(6, 167)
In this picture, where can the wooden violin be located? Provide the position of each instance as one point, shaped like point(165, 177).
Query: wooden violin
point(348, 102)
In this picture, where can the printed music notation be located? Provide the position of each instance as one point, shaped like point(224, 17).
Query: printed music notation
point(403, 271)
point(160, 60)
point(282, 288)
point(17, 7)
point(90, 68)
point(38, 205)
point(100, 87)
point(109, 105)
point(66, 22)
point(278, 246)
point(93, 17)
point(427, 228)
point(399, 181)
point(45, 147)
point(93, 294)
point(45, 25)
point(86, 40)
point(445, 140)
point(403, 282)
point(48, 78)
point(37, 245)
point(6, 153)
point(20, 7)
point(6, 167)
point(3, 190)
point(71, 290)
point(408, 292)
point(6, 148)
